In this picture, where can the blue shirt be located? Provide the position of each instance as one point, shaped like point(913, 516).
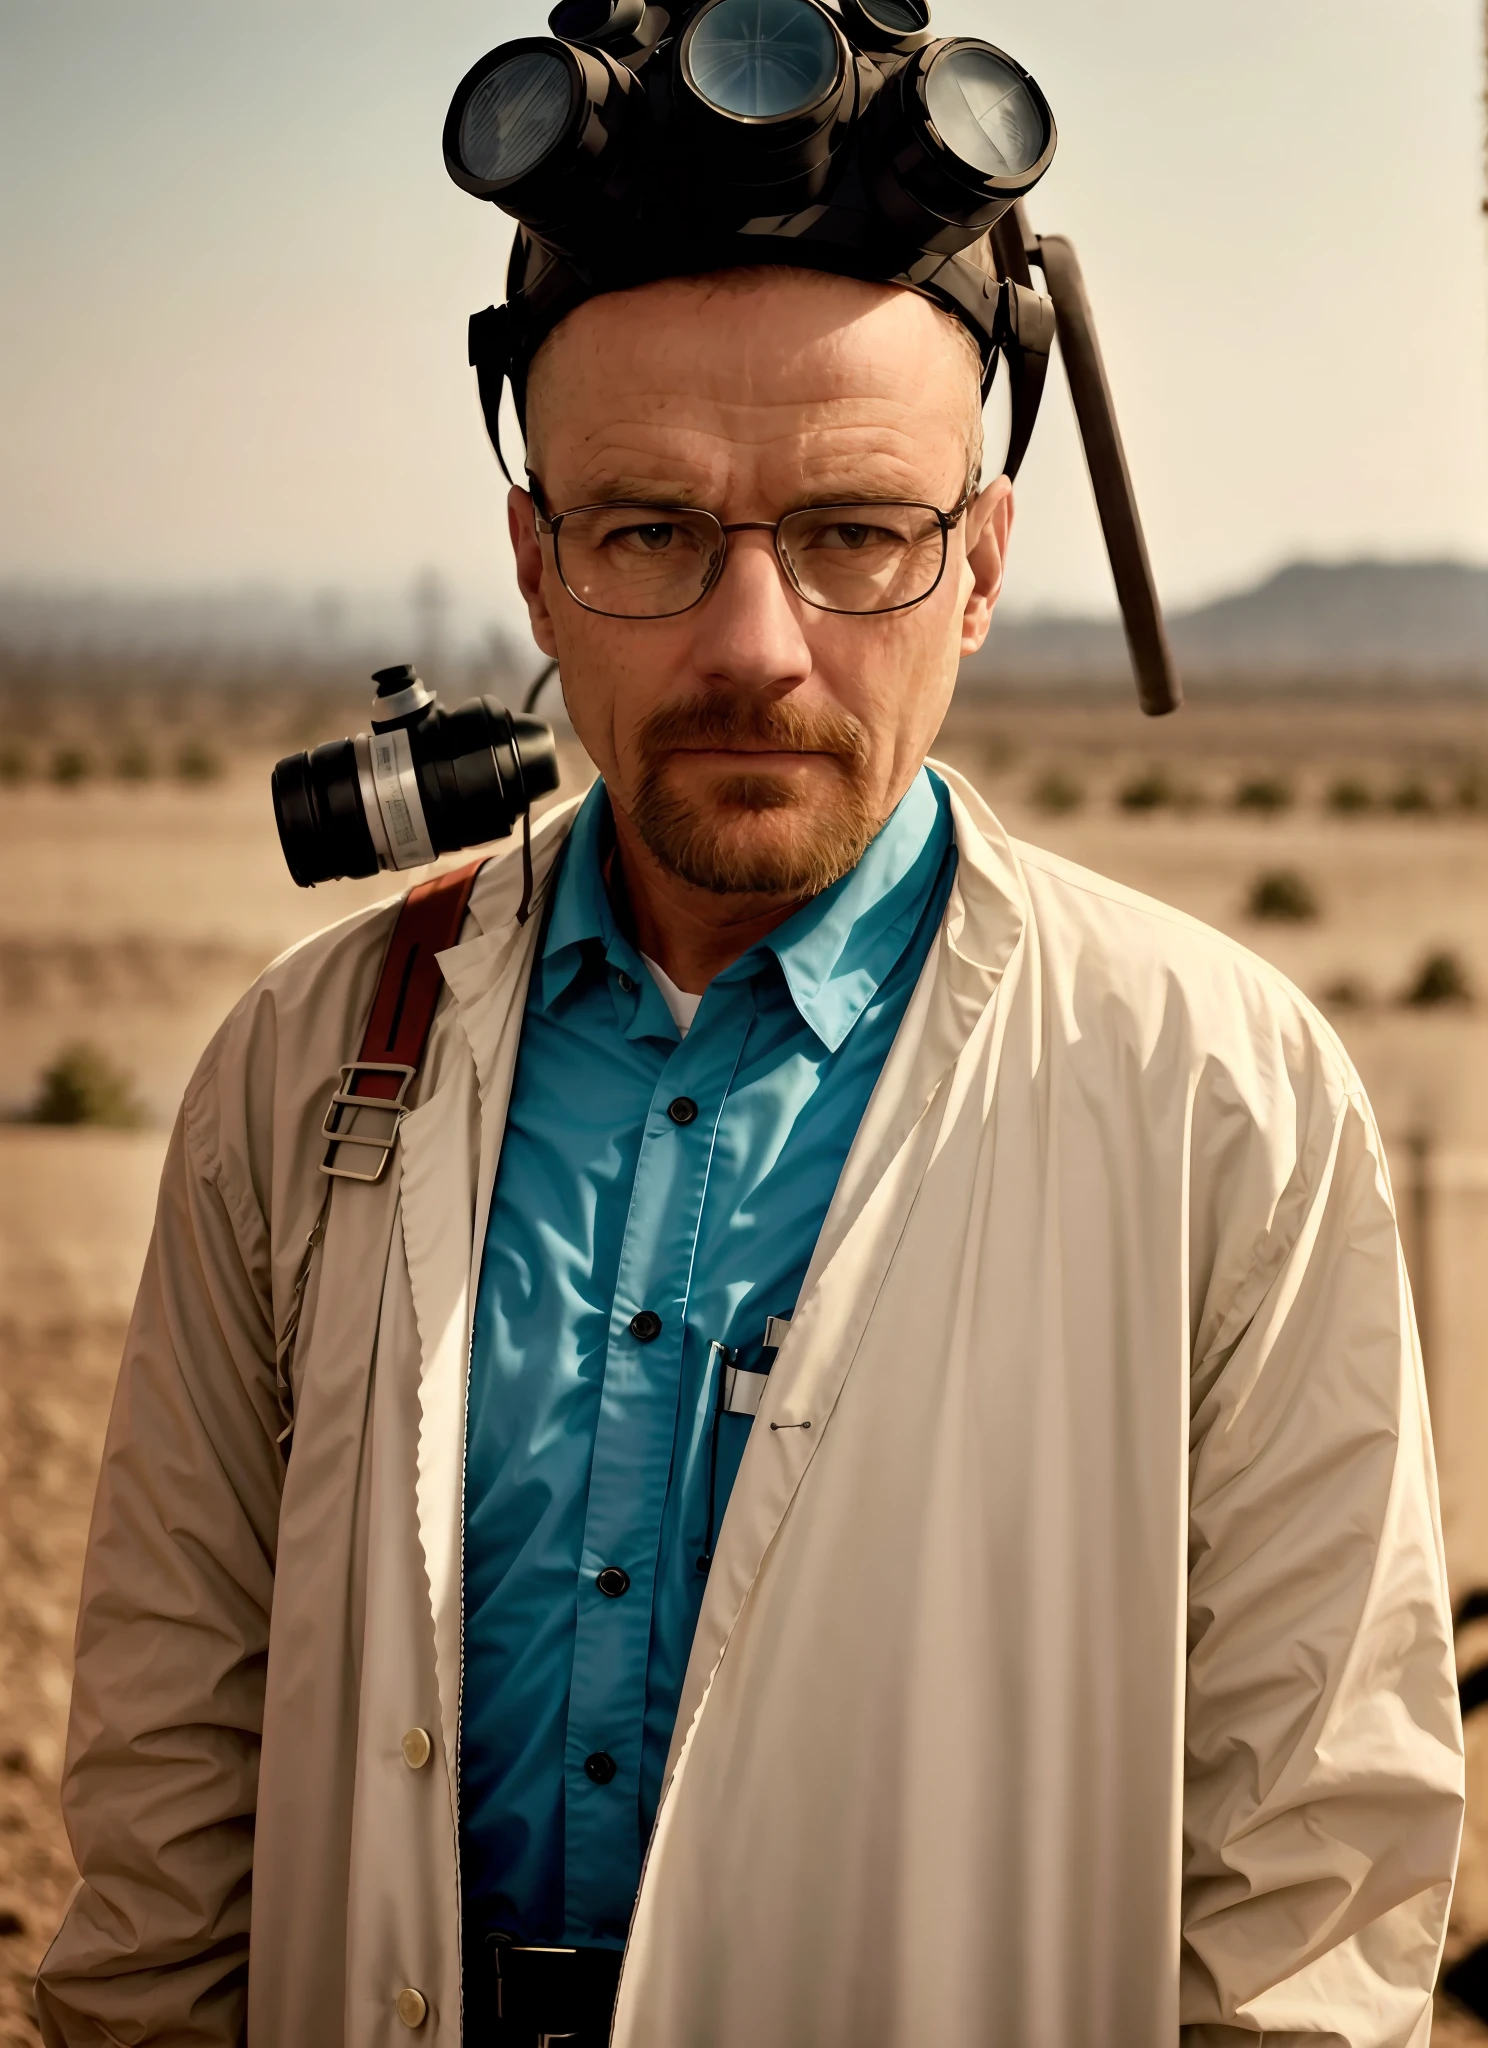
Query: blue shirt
point(657, 1197)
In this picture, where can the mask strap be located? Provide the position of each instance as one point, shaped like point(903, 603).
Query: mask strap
point(524, 908)
point(1025, 335)
point(490, 358)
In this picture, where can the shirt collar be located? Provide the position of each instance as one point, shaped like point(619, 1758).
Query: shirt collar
point(833, 955)
point(581, 923)
point(837, 951)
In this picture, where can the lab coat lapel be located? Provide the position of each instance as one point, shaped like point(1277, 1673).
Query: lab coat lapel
point(488, 979)
point(449, 1146)
point(984, 924)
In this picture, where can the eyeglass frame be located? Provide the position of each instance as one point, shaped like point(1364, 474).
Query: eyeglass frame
point(549, 523)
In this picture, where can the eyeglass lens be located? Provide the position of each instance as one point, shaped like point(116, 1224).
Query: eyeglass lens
point(646, 562)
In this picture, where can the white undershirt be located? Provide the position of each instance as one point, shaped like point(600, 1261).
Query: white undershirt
point(682, 1006)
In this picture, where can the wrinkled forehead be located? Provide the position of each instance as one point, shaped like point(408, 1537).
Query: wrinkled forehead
point(767, 375)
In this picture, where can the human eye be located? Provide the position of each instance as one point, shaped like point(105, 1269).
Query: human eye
point(852, 534)
point(627, 534)
point(853, 530)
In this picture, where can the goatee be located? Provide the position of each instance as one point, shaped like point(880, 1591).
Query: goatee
point(707, 842)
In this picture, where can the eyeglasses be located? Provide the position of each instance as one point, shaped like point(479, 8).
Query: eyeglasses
point(654, 561)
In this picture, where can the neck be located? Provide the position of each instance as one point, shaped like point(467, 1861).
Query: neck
point(691, 933)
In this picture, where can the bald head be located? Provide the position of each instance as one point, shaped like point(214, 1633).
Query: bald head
point(739, 333)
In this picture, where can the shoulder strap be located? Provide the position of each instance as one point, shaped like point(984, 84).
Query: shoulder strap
point(368, 1104)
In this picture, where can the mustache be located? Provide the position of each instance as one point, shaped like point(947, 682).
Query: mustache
point(719, 719)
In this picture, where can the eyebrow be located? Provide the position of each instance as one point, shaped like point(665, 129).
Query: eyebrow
point(629, 490)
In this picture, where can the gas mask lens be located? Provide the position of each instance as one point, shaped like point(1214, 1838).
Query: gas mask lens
point(896, 17)
point(761, 60)
point(983, 111)
point(515, 115)
point(962, 132)
point(543, 128)
point(887, 28)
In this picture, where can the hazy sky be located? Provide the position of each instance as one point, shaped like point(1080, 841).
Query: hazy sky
point(236, 280)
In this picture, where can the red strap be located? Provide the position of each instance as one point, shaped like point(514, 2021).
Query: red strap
point(409, 986)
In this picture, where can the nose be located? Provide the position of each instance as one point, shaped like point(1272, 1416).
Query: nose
point(748, 631)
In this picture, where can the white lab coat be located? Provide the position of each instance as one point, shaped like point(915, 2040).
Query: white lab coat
point(1081, 1677)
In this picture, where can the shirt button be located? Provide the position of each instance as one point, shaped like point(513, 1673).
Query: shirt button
point(645, 1325)
point(612, 1581)
point(625, 982)
point(600, 1767)
point(683, 1110)
point(416, 1748)
point(411, 2007)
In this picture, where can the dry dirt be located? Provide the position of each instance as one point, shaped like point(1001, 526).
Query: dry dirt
point(133, 916)
point(55, 1385)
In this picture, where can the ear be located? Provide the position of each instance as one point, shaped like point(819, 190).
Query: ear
point(989, 522)
point(527, 547)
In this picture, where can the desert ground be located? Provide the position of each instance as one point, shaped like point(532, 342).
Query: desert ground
point(145, 888)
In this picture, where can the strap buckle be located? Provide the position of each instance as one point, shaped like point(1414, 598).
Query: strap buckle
point(343, 1130)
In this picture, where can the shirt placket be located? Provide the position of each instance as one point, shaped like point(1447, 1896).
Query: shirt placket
point(634, 1447)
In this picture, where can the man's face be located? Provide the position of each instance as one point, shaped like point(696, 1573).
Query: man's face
point(755, 743)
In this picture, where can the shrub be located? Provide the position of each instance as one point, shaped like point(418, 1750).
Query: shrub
point(1471, 793)
point(1267, 793)
point(1058, 792)
point(1283, 896)
point(197, 763)
point(1412, 797)
point(1146, 792)
point(70, 766)
point(1347, 993)
point(15, 765)
point(83, 1086)
point(134, 763)
point(1348, 796)
point(1442, 978)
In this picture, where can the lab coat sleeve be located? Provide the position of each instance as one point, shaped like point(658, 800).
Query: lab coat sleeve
point(163, 1743)
point(1323, 1768)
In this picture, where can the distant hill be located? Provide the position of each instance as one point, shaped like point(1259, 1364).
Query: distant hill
point(1351, 622)
point(1365, 621)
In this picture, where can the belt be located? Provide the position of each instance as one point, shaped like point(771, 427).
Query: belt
point(541, 1997)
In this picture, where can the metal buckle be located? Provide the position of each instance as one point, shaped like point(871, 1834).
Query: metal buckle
point(392, 1106)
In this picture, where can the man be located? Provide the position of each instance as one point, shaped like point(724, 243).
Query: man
point(881, 1352)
